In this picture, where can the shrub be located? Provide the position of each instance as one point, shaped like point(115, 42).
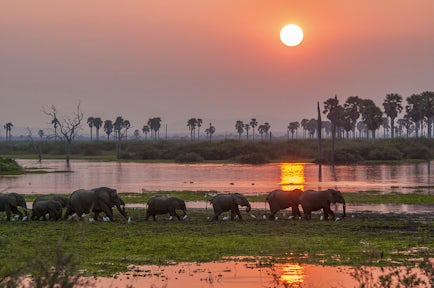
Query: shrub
point(252, 158)
point(190, 157)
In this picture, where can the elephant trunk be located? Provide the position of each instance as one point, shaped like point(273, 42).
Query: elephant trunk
point(248, 208)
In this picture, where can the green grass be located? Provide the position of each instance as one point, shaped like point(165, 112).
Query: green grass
point(106, 248)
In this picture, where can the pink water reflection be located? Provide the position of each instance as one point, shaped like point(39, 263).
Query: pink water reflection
point(248, 179)
point(232, 274)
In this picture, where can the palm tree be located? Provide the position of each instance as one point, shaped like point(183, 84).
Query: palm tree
point(303, 124)
point(264, 129)
point(351, 113)
point(97, 122)
point(312, 126)
point(108, 128)
point(247, 128)
point(136, 134)
point(392, 106)
point(117, 127)
point(428, 104)
point(90, 122)
point(155, 124)
point(199, 124)
point(292, 127)
point(371, 116)
point(191, 124)
point(210, 131)
point(8, 127)
point(239, 126)
point(415, 111)
point(253, 124)
point(56, 124)
point(127, 125)
point(145, 130)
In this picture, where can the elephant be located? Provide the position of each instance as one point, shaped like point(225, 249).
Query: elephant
point(96, 200)
point(9, 203)
point(62, 200)
point(43, 207)
point(312, 200)
point(163, 205)
point(279, 199)
point(229, 202)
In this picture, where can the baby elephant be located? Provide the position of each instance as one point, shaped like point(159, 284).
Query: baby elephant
point(163, 205)
point(51, 207)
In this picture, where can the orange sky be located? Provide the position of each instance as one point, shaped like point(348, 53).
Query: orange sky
point(221, 61)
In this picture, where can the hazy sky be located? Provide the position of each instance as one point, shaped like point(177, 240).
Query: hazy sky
point(219, 60)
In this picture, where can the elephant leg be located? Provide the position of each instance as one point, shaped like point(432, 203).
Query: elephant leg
point(295, 212)
point(273, 213)
point(68, 212)
point(237, 211)
point(216, 215)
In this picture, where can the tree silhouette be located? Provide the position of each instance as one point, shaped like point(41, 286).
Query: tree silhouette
point(191, 124)
point(145, 130)
point(428, 110)
point(136, 134)
point(415, 111)
point(239, 126)
point(247, 128)
point(351, 114)
point(154, 125)
point(90, 122)
point(198, 124)
point(108, 128)
point(55, 123)
point(97, 122)
point(8, 127)
point(210, 131)
point(253, 124)
point(392, 106)
point(68, 126)
point(292, 127)
point(371, 116)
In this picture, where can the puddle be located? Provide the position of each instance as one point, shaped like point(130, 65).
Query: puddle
point(242, 275)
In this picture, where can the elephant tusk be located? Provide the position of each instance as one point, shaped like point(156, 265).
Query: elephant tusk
point(253, 216)
point(171, 218)
point(24, 218)
point(185, 217)
point(91, 220)
point(129, 219)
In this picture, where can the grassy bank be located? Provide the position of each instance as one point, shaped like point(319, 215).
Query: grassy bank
point(106, 248)
point(238, 151)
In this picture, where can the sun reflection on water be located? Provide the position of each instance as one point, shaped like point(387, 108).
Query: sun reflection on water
point(292, 176)
point(292, 274)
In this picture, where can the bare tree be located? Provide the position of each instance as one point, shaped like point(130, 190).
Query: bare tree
point(68, 126)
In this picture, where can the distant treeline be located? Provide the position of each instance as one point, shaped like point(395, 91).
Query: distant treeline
point(347, 151)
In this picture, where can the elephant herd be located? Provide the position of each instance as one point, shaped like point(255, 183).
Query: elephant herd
point(83, 202)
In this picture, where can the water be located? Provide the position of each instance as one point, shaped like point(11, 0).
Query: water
point(247, 179)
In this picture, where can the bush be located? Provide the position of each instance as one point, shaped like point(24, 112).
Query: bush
point(190, 157)
point(252, 158)
point(9, 166)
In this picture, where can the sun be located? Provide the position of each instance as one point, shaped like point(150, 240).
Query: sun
point(291, 35)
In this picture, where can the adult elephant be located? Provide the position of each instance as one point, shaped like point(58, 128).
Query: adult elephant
point(96, 200)
point(279, 199)
point(51, 207)
point(9, 202)
point(312, 200)
point(163, 205)
point(229, 202)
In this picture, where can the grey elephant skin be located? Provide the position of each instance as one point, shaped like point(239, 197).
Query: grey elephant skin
point(312, 200)
point(158, 205)
point(62, 200)
point(96, 200)
point(229, 202)
point(279, 199)
point(9, 202)
point(42, 207)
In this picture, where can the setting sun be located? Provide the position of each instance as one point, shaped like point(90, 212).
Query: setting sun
point(291, 35)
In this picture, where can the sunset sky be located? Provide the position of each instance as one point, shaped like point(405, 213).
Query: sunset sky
point(221, 61)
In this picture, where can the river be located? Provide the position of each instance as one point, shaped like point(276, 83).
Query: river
point(247, 179)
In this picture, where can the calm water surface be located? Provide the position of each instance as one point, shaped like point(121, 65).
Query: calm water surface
point(248, 179)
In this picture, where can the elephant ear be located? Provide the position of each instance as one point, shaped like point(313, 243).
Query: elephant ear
point(240, 199)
